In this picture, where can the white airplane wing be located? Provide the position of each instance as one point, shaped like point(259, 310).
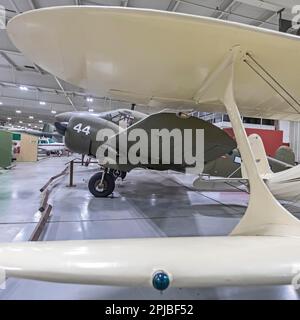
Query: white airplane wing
point(187, 262)
point(160, 59)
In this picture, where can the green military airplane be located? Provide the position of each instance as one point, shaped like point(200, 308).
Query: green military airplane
point(81, 128)
point(221, 158)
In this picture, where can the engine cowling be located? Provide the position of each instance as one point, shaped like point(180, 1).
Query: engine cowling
point(81, 133)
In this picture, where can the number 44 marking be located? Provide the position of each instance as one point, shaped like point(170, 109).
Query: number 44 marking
point(78, 128)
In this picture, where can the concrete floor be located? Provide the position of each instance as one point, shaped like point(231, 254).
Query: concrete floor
point(146, 204)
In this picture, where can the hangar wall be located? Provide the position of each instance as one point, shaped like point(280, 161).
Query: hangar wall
point(295, 138)
point(272, 139)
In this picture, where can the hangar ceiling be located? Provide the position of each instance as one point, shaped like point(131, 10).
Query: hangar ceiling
point(30, 97)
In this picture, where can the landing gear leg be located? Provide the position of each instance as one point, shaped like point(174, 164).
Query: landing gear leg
point(102, 184)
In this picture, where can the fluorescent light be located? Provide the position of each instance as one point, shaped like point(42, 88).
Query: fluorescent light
point(20, 121)
point(91, 110)
point(89, 99)
point(1, 103)
point(8, 118)
point(29, 124)
point(40, 121)
point(53, 111)
point(31, 117)
point(42, 103)
point(23, 88)
point(18, 111)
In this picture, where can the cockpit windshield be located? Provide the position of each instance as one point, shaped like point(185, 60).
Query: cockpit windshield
point(121, 117)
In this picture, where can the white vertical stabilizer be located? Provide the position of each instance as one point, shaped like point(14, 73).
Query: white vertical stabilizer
point(260, 156)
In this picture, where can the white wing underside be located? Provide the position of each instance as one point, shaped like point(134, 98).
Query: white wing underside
point(160, 59)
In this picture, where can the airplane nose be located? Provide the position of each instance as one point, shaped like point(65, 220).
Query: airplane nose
point(61, 127)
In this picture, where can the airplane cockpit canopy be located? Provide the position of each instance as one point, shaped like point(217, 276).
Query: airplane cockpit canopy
point(123, 118)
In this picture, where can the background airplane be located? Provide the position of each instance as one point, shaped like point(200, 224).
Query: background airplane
point(229, 165)
point(48, 131)
point(216, 143)
point(283, 179)
point(48, 145)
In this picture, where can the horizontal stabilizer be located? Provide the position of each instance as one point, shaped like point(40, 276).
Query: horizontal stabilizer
point(218, 184)
point(285, 185)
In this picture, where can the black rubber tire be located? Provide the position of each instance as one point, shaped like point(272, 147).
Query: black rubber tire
point(109, 182)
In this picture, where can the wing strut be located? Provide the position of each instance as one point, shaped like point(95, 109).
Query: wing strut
point(270, 80)
point(264, 215)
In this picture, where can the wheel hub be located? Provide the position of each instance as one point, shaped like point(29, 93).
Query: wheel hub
point(100, 187)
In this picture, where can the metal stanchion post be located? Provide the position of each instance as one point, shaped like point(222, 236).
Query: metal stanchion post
point(71, 173)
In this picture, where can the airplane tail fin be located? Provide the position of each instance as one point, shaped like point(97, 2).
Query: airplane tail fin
point(285, 154)
point(274, 220)
point(260, 156)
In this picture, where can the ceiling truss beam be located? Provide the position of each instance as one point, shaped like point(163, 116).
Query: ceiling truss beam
point(13, 4)
point(49, 104)
point(47, 90)
point(9, 61)
point(32, 4)
point(173, 5)
point(124, 3)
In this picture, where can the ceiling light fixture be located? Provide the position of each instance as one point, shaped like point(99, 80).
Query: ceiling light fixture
point(23, 88)
point(89, 99)
point(18, 111)
point(42, 103)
